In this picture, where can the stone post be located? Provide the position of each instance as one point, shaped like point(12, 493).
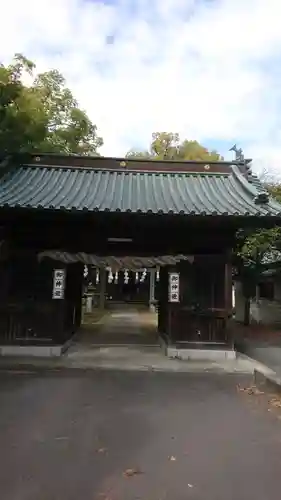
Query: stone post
point(89, 303)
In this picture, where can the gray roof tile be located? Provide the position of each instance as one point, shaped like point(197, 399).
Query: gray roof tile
point(91, 189)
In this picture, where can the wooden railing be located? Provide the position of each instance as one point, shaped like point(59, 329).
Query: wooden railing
point(199, 327)
point(34, 322)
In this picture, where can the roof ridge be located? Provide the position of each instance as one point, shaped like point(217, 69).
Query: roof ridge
point(128, 159)
point(107, 163)
point(119, 170)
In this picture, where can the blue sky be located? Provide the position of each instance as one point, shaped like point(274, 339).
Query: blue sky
point(209, 70)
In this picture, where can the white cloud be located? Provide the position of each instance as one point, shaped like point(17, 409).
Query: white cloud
point(206, 69)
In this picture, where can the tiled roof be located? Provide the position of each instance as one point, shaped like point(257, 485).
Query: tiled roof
point(210, 190)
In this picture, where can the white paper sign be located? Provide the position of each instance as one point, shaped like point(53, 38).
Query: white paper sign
point(174, 287)
point(58, 283)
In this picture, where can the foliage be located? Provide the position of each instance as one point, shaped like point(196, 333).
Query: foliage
point(69, 129)
point(274, 189)
point(42, 116)
point(252, 246)
point(142, 155)
point(168, 146)
point(258, 243)
point(22, 120)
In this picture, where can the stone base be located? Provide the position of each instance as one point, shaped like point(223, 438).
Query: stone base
point(40, 351)
point(267, 380)
point(163, 345)
point(201, 354)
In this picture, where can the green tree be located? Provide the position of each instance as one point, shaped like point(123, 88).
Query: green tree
point(253, 245)
point(256, 251)
point(43, 116)
point(192, 150)
point(22, 119)
point(69, 129)
point(168, 146)
point(141, 155)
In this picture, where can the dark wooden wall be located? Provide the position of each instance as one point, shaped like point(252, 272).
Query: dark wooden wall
point(201, 316)
point(28, 310)
point(150, 234)
point(28, 313)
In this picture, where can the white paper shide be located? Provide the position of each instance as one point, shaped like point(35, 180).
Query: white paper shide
point(58, 283)
point(174, 287)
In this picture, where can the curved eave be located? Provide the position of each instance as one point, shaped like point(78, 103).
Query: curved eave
point(158, 193)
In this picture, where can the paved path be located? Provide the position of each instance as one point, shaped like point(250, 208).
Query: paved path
point(128, 339)
point(125, 340)
point(122, 327)
point(70, 436)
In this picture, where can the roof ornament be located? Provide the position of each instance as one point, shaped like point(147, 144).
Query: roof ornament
point(262, 196)
point(239, 155)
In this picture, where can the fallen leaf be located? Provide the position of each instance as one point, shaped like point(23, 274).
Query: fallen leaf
point(275, 402)
point(253, 390)
point(131, 472)
point(258, 392)
point(102, 450)
point(239, 388)
point(172, 458)
point(190, 485)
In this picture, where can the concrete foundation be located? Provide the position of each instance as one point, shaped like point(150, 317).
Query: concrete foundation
point(41, 351)
point(200, 354)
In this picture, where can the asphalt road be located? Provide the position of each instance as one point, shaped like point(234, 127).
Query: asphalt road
point(73, 436)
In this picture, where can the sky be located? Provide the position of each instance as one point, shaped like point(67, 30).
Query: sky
point(207, 69)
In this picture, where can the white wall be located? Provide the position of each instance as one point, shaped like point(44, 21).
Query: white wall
point(263, 311)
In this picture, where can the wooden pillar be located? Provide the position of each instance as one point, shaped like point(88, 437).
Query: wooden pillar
point(79, 292)
point(61, 318)
point(102, 288)
point(73, 294)
point(5, 271)
point(152, 289)
point(163, 326)
point(174, 316)
point(228, 285)
point(228, 296)
point(5, 279)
